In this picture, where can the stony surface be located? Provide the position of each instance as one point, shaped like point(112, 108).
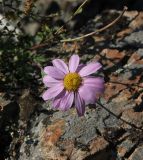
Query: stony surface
point(98, 135)
point(138, 154)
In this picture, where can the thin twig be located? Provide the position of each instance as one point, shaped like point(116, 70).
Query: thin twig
point(60, 30)
point(118, 117)
point(75, 13)
point(99, 30)
point(79, 8)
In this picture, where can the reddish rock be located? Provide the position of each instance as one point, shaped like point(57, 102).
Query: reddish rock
point(124, 33)
point(136, 58)
point(137, 21)
point(52, 133)
point(138, 100)
point(112, 54)
point(133, 117)
point(98, 144)
point(70, 151)
point(112, 89)
point(125, 147)
point(125, 95)
point(131, 14)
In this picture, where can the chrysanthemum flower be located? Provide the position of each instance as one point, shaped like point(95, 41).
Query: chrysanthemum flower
point(68, 85)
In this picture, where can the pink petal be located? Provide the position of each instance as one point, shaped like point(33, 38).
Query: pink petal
point(73, 63)
point(80, 67)
point(53, 92)
point(56, 101)
point(97, 82)
point(67, 101)
point(54, 72)
point(88, 94)
point(49, 81)
point(80, 104)
point(58, 63)
point(90, 69)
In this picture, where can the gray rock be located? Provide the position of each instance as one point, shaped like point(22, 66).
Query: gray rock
point(57, 133)
point(137, 154)
point(135, 39)
point(125, 147)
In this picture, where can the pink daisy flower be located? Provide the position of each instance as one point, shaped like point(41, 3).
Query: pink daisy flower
point(72, 84)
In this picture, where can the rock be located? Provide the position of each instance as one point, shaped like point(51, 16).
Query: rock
point(133, 117)
point(125, 147)
point(137, 154)
point(135, 19)
point(100, 134)
point(136, 22)
point(31, 28)
point(27, 105)
point(64, 136)
point(112, 56)
point(124, 33)
point(9, 26)
point(136, 60)
point(131, 15)
point(135, 39)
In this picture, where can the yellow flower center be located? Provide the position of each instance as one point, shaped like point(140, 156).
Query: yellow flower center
point(72, 81)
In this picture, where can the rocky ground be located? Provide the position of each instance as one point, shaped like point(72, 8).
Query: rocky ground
point(44, 134)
